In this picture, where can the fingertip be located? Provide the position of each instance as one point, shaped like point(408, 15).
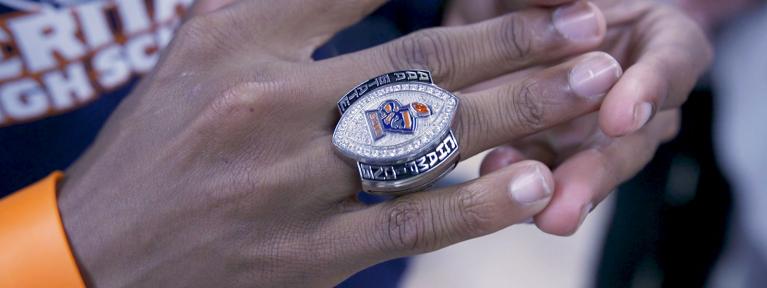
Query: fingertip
point(601, 21)
point(572, 201)
point(674, 120)
point(643, 111)
point(581, 22)
point(632, 102)
point(614, 121)
point(594, 75)
point(562, 221)
point(665, 125)
point(531, 185)
point(499, 158)
point(629, 119)
point(540, 168)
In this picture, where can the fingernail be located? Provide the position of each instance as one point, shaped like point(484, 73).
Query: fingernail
point(642, 114)
point(530, 187)
point(593, 77)
point(585, 212)
point(577, 21)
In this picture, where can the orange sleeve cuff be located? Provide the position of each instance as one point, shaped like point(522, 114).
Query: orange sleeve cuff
point(34, 251)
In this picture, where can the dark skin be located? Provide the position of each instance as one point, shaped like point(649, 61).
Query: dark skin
point(663, 53)
point(218, 170)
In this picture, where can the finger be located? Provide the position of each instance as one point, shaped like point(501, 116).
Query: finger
point(673, 54)
point(500, 158)
point(589, 176)
point(464, 55)
point(427, 221)
point(545, 99)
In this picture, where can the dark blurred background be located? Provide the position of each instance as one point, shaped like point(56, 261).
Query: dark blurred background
point(670, 221)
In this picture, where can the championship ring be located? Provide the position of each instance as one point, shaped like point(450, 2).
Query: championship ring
point(397, 127)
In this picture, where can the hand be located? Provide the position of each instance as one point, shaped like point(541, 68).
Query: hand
point(664, 53)
point(219, 170)
point(589, 164)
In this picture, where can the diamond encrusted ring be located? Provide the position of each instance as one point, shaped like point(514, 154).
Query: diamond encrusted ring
point(397, 127)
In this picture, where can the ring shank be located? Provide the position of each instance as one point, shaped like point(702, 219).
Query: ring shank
point(413, 175)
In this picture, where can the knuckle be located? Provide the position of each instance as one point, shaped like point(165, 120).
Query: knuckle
point(522, 106)
point(472, 125)
point(405, 227)
point(254, 97)
point(427, 49)
point(475, 215)
point(515, 39)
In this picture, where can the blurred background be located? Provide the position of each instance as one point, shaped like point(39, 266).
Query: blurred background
point(696, 216)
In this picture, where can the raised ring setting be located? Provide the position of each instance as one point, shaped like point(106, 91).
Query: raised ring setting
point(397, 127)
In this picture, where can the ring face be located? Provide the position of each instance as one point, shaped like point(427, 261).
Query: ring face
point(397, 127)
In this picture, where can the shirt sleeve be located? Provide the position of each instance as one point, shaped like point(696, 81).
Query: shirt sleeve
point(34, 251)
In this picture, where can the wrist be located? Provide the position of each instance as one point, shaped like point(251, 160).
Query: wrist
point(72, 210)
point(95, 225)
